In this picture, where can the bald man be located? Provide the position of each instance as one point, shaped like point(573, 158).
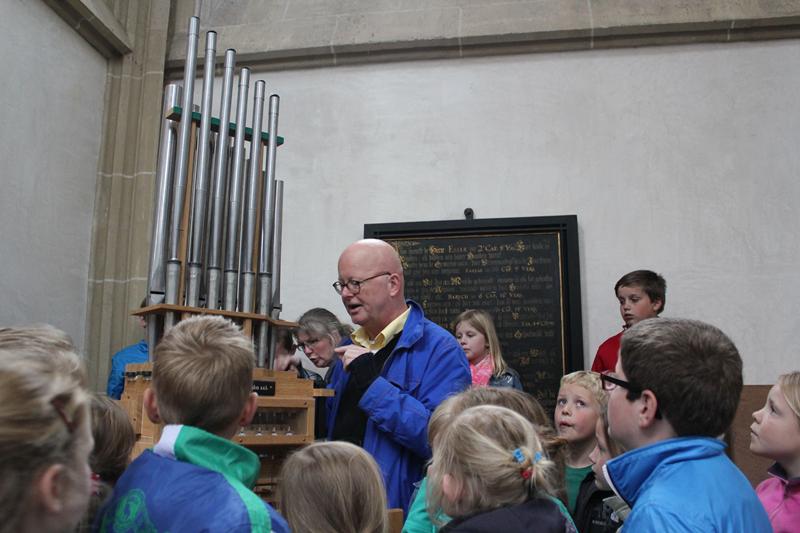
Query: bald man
point(399, 367)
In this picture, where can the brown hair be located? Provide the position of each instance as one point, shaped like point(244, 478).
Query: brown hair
point(521, 403)
point(614, 447)
point(114, 439)
point(654, 285)
point(482, 321)
point(333, 487)
point(203, 373)
point(43, 405)
point(477, 449)
point(693, 369)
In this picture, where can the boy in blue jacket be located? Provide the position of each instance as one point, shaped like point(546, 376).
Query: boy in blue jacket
point(196, 478)
point(675, 388)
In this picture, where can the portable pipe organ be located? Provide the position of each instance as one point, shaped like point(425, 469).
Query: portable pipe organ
point(216, 238)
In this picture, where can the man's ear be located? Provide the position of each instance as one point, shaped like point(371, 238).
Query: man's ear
point(151, 405)
point(49, 488)
point(249, 410)
point(395, 283)
point(648, 407)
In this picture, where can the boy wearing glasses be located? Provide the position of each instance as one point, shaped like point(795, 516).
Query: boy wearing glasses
point(676, 387)
point(641, 295)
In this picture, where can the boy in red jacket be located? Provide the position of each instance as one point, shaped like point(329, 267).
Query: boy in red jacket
point(642, 295)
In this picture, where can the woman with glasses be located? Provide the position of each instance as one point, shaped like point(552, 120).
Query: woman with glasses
point(318, 334)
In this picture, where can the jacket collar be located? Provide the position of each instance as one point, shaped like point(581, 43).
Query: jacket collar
point(412, 330)
point(777, 471)
point(195, 446)
point(630, 472)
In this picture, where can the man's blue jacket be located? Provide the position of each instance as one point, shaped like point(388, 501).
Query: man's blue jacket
point(685, 484)
point(426, 366)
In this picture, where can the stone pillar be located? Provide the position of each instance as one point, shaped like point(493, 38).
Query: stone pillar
point(125, 183)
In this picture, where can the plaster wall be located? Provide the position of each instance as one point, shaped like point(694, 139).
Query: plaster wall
point(682, 159)
point(51, 101)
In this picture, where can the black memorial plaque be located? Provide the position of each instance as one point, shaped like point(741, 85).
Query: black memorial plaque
point(523, 271)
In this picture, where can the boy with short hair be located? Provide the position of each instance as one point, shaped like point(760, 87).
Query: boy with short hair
point(580, 401)
point(641, 294)
point(196, 478)
point(676, 387)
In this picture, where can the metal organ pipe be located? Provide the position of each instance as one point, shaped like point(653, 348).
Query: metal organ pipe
point(219, 184)
point(235, 197)
point(251, 202)
point(181, 169)
point(200, 205)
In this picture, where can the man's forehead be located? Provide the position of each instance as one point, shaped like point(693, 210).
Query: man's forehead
point(358, 259)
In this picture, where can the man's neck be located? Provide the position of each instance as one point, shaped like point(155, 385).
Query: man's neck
point(373, 332)
point(658, 431)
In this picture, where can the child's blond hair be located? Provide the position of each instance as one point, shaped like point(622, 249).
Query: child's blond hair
point(494, 455)
point(203, 373)
point(521, 403)
point(790, 387)
point(591, 382)
point(43, 406)
point(333, 487)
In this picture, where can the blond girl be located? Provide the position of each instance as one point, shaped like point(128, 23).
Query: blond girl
point(475, 332)
point(45, 434)
point(333, 487)
point(775, 433)
point(490, 471)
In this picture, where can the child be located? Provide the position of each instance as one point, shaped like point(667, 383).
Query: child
point(475, 332)
point(580, 400)
point(642, 294)
point(45, 436)
point(418, 520)
point(489, 470)
point(134, 354)
point(114, 439)
point(333, 487)
point(196, 478)
point(776, 434)
point(675, 388)
point(610, 517)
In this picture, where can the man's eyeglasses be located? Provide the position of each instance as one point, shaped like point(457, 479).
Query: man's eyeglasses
point(354, 285)
point(610, 383)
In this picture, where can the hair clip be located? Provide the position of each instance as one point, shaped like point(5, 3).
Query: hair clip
point(519, 456)
point(95, 482)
